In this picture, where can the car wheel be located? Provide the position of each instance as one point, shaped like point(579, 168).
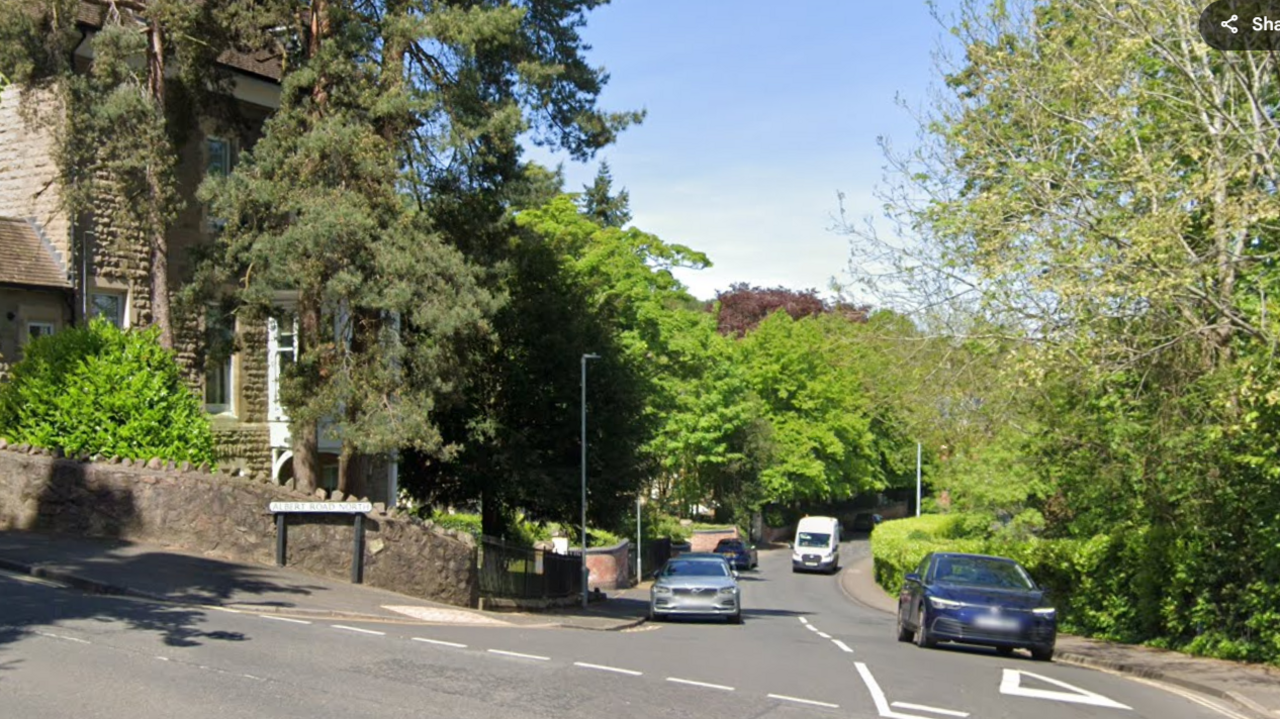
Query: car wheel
point(1042, 654)
point(924, 639)
point(736, 618)
point(1004, 651)
point(656, 616)
point(904, 634)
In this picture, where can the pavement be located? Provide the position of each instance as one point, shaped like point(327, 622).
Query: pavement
point(1253, 689)
point(128, 569)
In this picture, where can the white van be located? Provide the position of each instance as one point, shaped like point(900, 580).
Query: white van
point(817, 545)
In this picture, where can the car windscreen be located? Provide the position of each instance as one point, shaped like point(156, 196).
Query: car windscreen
point(813, 539)
point(982, 572)
point(729, 546)
point(696, 569)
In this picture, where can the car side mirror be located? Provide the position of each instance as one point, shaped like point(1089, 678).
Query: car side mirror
point(735, 574)
point(913, 577)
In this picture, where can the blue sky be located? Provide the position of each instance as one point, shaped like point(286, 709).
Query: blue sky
point(758, 113)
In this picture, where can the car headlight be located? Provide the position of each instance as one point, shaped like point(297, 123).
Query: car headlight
point(1045, 612)
point(728, 591)
point(938, 603)
point(661, 590)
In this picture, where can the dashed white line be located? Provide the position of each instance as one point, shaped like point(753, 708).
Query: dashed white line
point(824, 635)
point(163, 659)
point(934, 710)
point(228, 610)
point(843, 647)
point(811, 628)
point(705, 685)
point(519, 655)
point(803, 620)
point(65, 638)
point(358, 629)
point(441, 642)
point(603, 668)
point(798, 700)
point(284, 619)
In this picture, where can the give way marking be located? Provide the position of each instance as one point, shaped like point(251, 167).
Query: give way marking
point(1011, 684)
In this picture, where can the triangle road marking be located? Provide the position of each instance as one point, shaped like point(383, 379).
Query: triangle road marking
point(1011, 684)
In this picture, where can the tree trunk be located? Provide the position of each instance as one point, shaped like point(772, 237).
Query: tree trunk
point(306, 439)
point(353, 471)
point(159, 243)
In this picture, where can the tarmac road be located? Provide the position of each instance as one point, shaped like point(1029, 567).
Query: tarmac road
point(804, 650)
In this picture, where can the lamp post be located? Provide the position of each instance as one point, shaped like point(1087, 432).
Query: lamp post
point(586, 573)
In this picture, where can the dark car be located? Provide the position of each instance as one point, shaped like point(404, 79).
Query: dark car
point(976, 599)
point(866, 521)
point(740, 554)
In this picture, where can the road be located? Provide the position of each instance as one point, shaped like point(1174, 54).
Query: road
point(805, 650)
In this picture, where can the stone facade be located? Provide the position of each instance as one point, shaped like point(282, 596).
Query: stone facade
point(226, 517)
point(28, 168)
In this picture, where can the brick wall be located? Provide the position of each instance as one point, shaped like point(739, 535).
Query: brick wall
point(608, 568)
point(705, 540)
point(226, 517)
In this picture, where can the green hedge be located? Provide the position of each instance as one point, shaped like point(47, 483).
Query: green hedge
point(102, 390)
point(1135, 585)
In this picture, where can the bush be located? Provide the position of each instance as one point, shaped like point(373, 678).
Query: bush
point(103, 390)
point(469, 523)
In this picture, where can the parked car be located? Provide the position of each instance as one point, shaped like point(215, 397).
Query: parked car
point(740, 554)
point(703, 585)
point(976, 599)
point(866, 521)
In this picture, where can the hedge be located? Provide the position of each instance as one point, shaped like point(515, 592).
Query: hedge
point(1135, 585)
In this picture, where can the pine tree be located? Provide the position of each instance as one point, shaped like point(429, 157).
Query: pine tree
point(597, 202)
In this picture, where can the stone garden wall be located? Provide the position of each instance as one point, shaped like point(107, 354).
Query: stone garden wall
point(227, 517)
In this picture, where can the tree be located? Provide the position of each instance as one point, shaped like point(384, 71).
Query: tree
point(398, 127)
point(599, 204)
point(743, 306)
point(121, 123)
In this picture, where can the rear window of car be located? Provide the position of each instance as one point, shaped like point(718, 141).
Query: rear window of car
point(733, 544)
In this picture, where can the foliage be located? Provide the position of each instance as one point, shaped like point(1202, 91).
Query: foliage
point(741, 307)
point(599, 203)
point(469, 523)
point(102, 390)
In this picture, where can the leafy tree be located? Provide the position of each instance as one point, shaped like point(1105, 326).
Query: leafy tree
point(600, 204)
point(743, 306)
point(397, 118)
point(102, 390)
point(121, 122)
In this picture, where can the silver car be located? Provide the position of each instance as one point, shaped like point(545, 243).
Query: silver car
point(696, 586)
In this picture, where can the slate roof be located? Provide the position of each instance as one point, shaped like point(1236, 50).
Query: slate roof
point(26, 258)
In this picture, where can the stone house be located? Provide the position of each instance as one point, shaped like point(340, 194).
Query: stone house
point(56, 271)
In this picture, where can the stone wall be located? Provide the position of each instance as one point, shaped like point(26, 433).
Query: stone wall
point(28, 170)
point(227, 517)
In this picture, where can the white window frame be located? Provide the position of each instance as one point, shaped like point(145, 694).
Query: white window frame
point(123, 297)
point(45, 328)
point(228, 371)
point(275, 411)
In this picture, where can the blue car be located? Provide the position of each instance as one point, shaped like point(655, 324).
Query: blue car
point(740, 554)
point(976, 599)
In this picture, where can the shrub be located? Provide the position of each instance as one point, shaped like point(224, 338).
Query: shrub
point(469, 523)
point(103, 390)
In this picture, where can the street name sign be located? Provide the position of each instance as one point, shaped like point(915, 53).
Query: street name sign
point(342, 507)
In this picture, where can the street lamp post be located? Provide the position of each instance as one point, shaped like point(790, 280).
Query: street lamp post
point(586, 573)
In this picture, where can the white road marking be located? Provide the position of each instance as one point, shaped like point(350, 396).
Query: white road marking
point(811, 628)
point(603, 668)
point(935, 710)
point(824, 635)
point(228, 610)
point(1011, 684)
point(518, 654)
point(877, 695)
point(59, 636)
point(284, 619)
point(843, 647)
point(803, 620)
point(163, 659)
point(441, 642)
point(358, 629)
point(786, 698)
point(250, 676)
point(690, 682)
point(27, 578)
